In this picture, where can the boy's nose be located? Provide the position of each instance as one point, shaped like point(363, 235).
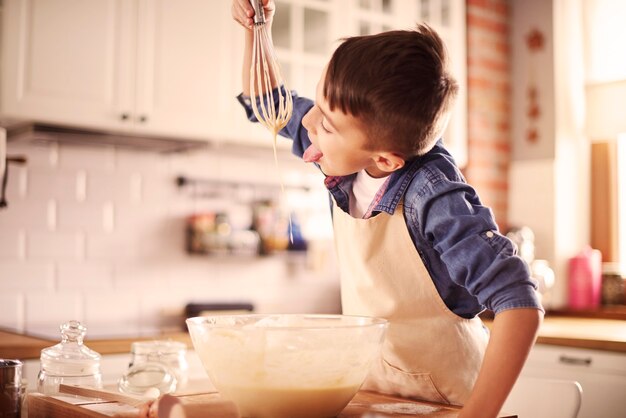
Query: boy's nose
point(308, 121)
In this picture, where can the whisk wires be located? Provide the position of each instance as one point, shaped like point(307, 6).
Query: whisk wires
point(272, 112)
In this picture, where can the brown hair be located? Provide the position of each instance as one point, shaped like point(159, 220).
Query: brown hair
point(397, 84)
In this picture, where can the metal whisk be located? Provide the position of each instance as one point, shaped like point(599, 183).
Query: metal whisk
point(264, 74)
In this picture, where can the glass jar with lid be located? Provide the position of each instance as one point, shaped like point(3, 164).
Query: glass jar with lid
point(70, 362)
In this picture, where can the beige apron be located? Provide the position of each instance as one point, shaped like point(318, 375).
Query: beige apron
point(429, 353)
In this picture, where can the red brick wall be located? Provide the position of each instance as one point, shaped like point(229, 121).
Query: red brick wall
point(489, 94)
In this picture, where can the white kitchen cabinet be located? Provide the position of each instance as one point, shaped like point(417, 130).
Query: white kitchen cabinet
point(67, 60)
point(601, 374)
point(146, 66)
point(173, 68)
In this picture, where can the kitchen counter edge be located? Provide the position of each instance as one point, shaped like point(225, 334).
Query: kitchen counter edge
point(586, 333)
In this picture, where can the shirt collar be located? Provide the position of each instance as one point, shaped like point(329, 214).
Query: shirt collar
point(392, 191)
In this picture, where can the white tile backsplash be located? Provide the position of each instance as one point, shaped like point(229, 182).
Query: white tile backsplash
point(138, 275)
point(103, 186)
point(158, 188)
point(51, 183)
point(82, 216)
point(110, 246)
point(26, 214)
point(98, 234)
point(85, 157)
point(142, 162)
point(45, 311)
point(27, 276)
point(115, 307)
point(16, 184)
point(86, 276)
point(12, 310)
point(12, 243)
point(58, 245)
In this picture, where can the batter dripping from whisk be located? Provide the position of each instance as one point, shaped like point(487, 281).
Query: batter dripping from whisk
point(274, 107)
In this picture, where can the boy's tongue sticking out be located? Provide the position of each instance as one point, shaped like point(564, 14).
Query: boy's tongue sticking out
point(312, 154)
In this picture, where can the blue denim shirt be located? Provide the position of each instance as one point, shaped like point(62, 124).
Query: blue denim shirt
point(472, 265)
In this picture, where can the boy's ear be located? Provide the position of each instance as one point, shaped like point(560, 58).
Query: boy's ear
point(389, 161)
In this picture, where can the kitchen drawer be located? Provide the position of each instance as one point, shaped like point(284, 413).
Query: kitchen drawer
point(599, 361)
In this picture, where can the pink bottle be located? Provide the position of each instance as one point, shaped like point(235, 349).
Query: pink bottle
point(585, 279)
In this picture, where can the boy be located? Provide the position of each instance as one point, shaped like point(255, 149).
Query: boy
point(414, 243)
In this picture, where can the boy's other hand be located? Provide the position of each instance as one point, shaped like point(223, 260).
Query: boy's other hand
point(243, 13)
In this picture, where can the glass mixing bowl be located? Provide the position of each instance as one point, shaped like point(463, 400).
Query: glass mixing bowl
point(285, 366)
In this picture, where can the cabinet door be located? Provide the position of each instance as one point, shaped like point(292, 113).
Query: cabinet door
point(602, 376)
point(68, 61)
point(304, 33)
point(182, 81)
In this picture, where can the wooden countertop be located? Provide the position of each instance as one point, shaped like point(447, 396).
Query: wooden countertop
point(21, 346)
point(579, 332)
point(576, 332)
point(597, 334)
point(364, 404)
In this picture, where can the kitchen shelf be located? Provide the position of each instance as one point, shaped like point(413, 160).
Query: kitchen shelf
point(198, 183)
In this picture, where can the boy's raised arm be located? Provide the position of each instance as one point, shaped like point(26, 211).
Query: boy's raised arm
point(243, 13)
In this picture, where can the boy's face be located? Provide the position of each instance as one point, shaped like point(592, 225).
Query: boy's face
point(338, 140)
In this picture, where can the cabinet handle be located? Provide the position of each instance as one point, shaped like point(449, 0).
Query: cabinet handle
point(124, 116)
point(575, 361)
point(143, 119)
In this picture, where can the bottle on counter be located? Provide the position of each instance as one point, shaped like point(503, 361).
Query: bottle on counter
point(585, 279)
point(70, 362)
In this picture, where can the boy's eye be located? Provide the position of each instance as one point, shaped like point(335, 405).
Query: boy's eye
point(324, 126)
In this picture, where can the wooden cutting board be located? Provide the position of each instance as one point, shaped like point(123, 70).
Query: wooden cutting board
point(364, 404)
point(377, 405)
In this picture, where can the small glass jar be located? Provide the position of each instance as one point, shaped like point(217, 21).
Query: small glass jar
point(612, 284)
point(70, 362)
point(158, 365)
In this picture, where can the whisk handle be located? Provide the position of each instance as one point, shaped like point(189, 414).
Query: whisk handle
point(259, 14)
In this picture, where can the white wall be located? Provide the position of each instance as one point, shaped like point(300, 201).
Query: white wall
point(97, 234)
point(549, 181)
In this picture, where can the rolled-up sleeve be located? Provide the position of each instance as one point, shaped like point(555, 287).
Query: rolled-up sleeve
point(294, 129)
point(476, 256)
